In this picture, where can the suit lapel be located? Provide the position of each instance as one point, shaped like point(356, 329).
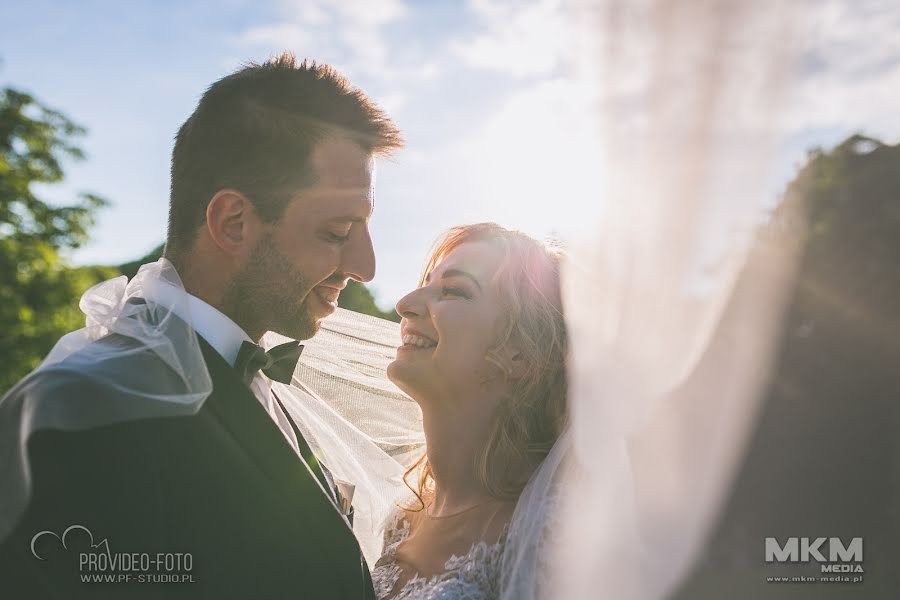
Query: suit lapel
point(241, 413)
point(317, 468)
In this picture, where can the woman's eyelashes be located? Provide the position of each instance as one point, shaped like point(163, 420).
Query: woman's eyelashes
point(454, 291)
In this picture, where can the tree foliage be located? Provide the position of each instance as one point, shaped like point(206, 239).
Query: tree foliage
point(39, 291)
point(824, 458)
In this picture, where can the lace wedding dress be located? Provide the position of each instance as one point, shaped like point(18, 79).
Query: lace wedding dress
point(456, 557)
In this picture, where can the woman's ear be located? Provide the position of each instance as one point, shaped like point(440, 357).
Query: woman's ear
point(231, 221)
point(510, 360)
point(517, 365)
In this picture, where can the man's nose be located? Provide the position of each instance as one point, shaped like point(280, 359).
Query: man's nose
point(358, 258)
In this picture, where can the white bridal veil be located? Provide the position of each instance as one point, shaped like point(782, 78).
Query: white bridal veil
point(91, 375)
point(357, 422)
point(138, 357)
point(672, 314)
point(671, 326)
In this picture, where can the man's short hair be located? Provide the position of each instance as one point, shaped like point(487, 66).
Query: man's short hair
point(254, 131)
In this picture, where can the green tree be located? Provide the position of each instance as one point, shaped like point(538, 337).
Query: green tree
point(39, 291)
point(824, 455)
point(357, 297)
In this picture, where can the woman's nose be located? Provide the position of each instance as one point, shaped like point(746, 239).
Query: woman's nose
point(411, 305)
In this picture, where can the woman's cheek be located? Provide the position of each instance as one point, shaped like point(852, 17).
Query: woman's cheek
point(473, 364)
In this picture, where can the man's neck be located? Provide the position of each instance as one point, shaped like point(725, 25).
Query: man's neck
point(205, 276)
point(215, 300)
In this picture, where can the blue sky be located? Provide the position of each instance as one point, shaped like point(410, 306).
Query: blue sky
point(498, 124)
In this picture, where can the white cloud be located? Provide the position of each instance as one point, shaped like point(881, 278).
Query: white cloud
point(309, 13)
point(393, 102)
point(279, 35)
point(520, 39)
point(651, 93)
point(534, 160)
point(850, 68)
point(847, 52)
point(341, 32)
point(534, 164)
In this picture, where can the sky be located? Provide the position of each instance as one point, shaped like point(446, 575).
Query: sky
point(500, 121)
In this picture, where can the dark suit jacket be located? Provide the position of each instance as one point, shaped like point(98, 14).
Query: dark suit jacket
point(222, 485)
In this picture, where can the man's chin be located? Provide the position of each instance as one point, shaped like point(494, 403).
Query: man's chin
point(302, 327)
point(314, 319)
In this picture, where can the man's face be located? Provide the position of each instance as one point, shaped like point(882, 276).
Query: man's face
point(293, 276)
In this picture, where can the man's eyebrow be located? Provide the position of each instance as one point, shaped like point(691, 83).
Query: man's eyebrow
point(347, 219)
point(354, 216)
point(461, 273)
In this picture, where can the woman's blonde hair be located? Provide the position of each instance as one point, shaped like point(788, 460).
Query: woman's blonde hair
point(531, 417)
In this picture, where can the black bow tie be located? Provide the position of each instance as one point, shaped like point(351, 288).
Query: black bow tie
point(278, 363)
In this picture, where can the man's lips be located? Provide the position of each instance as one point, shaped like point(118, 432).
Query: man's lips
point(328, 294)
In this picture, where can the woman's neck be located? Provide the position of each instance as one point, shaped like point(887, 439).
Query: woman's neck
point(453, 440)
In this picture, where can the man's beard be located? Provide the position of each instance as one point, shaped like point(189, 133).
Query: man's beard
point(269, 294)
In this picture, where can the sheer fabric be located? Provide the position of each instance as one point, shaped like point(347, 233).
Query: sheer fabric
point(668, 346)
point(133, 331)
point(358, 423)
point(671, 329)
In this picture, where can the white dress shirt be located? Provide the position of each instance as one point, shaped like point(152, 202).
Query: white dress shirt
point(226, 337)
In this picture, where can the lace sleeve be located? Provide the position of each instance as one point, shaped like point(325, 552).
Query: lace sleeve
point(396, 531)
point(385, 571)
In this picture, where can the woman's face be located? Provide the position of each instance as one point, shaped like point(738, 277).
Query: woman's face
point(448, 326)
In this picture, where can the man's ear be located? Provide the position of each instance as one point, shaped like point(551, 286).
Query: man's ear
point(231, 221)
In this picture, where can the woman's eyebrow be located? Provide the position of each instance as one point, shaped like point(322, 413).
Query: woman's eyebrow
point(461, 273)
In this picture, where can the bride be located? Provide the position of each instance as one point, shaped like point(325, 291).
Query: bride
point(484, 343)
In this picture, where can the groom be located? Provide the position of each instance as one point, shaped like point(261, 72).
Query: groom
point(271, 194)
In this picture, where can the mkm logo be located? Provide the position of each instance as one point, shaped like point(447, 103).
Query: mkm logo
point(802, 549)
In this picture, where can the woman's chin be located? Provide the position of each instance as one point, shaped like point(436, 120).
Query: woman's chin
point(392, 371)
point(397, 372)
point(405, 362)
point(405, 376)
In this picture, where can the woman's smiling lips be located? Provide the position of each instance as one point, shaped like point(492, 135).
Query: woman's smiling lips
point(416, 340)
